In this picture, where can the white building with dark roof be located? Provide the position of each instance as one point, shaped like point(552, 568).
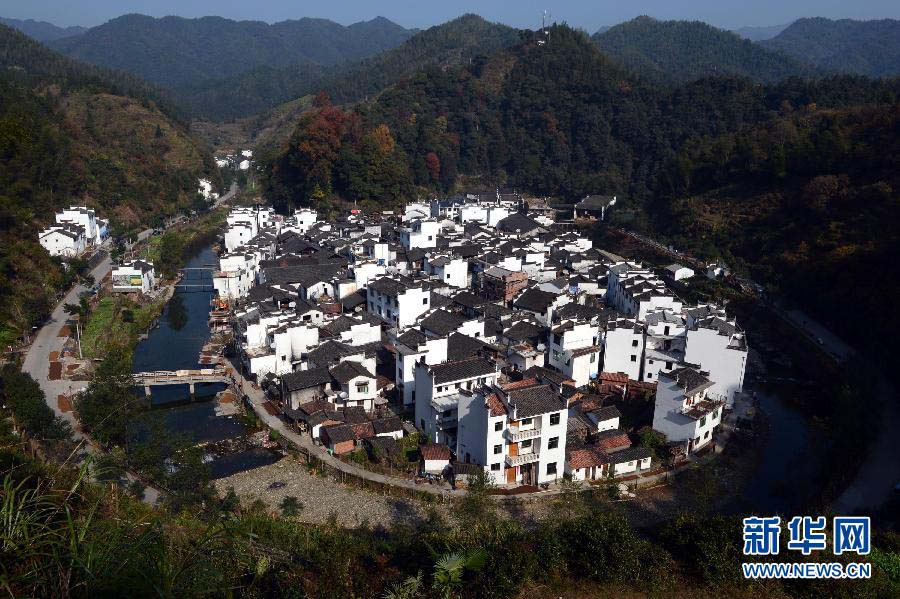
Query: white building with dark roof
point(682, 409)
point(133, 277)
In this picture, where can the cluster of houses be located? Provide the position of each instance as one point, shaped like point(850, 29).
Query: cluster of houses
point(504, 338)
point(238, 162)
point(76, 231)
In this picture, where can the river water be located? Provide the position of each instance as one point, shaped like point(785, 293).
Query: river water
point(175, 344)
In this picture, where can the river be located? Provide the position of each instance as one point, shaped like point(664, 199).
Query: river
point(175, 344)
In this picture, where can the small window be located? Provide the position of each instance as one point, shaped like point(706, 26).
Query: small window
point(634, 343)
point(633, 358)
point(498, 426)
point(666, 331)
point(526, 443)
point(553, 443)
point(703, 421)
point(498, 449)
point(706, 436)
point(525, 421)
point(495, 467)
point(362, 387)
point(668, 365)
point(649, 361)
point(649, 375)
point(554, 418)
point(551, 468)
point(593, 358)
point(424, 301)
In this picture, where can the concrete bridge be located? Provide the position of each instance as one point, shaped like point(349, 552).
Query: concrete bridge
point(181, 377)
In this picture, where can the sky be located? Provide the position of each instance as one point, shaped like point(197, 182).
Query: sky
point(586, 14)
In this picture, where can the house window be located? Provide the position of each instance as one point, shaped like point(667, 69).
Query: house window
point(551, 468)
point(649, 375)
point(649, 361)
point(703, 421)
point(633, 358)
point(706, 436)
point(525, 421)
point(554, 418)
point(424, 301)
point(495, 467)
point(362, 387)
point(593, 358)
point(498, 426)
point(634, 343)
point(715, 414)
point(666, 331)
point(526, 443)
point(498, 449)
point(668, 365)
point(553, 443)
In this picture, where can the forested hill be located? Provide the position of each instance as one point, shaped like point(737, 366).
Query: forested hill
point(563, 120)
point(41, 31)
point(681, 51)
point(263, 88)
point(176, 52)
point(72, 133)
point(863, 47)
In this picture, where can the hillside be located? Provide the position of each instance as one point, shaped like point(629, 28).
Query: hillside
point(69, 134)
point(263, 88)
point(807, 202)
point(564, 120)
point(863, 47)
point(176, 52)
point(681, 51)
point(41, 31)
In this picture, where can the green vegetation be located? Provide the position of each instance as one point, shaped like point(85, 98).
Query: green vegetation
point(24, 398)
point(41, 30)
point(166, 51)
point(863, 47)
point(682, 51)
point(789, 178)
point(91, 139)
point(115, 324)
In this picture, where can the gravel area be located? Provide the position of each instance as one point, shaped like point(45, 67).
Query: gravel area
point(321, 496)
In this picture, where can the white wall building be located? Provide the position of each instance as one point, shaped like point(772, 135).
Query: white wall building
point(133, 277)
point(398, 302)
point(719, 347)
point(420, 234)
point(682, 410)
point(573, 348)
point(517, 436)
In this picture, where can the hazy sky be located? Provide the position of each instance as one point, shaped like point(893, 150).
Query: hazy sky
point(587, 14)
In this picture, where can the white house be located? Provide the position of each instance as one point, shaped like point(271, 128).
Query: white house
point(420, 234)
point(438, 391)
point(63, 240)
point(84, 217)
point(678, 272)
point(306, 218)
point(623, 347)
point(635, 290)
point(518, 436)
point(413, 347)
point(573, 348)
point(719, 347)
point(399, 302)
point(682, 410)
point(356, 386)
point(450, 270)
point(136, 276)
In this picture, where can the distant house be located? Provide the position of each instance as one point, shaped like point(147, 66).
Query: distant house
point(133, 277)
point(678, 272)
point(594, 206)
point(63, 240)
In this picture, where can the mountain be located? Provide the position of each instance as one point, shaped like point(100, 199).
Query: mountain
point(176, 52)
point(42, 31)
point(265, 87)
point(756, 34)
point(78, 134)
point(863, 47)
point(561, 119)
point(681, 51)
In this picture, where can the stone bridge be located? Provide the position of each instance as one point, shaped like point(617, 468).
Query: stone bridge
point(181, 377)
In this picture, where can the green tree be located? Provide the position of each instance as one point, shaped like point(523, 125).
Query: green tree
point(290, 506)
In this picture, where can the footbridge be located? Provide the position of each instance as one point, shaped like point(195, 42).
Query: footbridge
point(181, 377)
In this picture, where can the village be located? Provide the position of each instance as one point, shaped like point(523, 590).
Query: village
point(501, 340)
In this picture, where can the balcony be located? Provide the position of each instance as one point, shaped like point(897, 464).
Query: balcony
point(522, 459)
point(516, 434)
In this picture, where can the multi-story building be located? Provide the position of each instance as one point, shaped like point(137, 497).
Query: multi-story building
point(438, 391)
point(719, 347)
point(398, 301)
point(573, 348)
point(518, 436)
point(133, 277)
point(682, 409)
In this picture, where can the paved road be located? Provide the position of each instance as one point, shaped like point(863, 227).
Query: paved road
point(227, 197)
point(37, 360)
point(37, 364)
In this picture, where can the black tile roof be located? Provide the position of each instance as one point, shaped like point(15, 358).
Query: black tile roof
point(305, 379)
point(535, 300)
point(460, 347)
point(442, 322)
point(462, 369)
point(532, 401)
point(347, 371)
